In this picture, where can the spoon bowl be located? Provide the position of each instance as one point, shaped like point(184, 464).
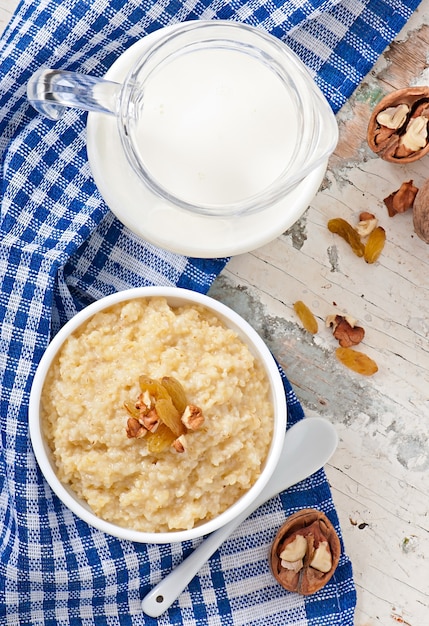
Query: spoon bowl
point(307, 446)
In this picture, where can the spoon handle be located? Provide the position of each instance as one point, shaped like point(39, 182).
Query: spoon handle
point(161, 597)
point(307, 446)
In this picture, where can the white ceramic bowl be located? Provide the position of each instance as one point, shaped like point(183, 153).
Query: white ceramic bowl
point(175, 297)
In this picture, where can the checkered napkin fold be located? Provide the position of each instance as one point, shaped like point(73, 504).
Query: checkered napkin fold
point(61, 248)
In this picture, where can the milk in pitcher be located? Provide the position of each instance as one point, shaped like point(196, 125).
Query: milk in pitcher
point(216, 126)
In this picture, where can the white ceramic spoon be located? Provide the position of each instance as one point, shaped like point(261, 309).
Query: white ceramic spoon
point(307, 447)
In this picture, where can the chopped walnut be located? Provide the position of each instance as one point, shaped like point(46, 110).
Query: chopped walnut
point(345, 330)
point(365, 215)
point(161, 411)
point(192, 417)
point(401, 200)
point(367, 223)
point(180, 443)
point(150, 420)
point(134, 429)
point(144, 402)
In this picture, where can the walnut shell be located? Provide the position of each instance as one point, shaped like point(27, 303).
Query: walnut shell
point(388, 142)
point(317, 528)
point(421, 212)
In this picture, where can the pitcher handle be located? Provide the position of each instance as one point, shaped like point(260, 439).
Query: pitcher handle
point(51, 92)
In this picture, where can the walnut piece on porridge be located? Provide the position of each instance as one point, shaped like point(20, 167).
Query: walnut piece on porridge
point(162, 412)
point(192, 417)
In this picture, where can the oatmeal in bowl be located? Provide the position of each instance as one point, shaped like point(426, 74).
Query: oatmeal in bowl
point(157, 414)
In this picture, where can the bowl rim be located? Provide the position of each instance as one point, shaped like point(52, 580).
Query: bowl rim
point(175, 296)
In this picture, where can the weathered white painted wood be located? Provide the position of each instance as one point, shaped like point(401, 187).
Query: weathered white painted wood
point(7, 8)
point(379, 475)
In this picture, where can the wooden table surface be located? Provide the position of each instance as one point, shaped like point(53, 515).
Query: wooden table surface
point(380, 471)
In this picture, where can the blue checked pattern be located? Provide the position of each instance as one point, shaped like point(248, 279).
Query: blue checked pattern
point(61, 248)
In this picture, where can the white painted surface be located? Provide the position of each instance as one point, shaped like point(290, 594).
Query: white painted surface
point(379, 474)
point(7, 7)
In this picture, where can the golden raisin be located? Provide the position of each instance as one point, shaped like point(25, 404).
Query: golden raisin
point(170, 416)
point(160, 440)
point(154, 387)
point(341, 227)
point(132, 410)
point(306, 316)
point(356, 361)
point(375, 244)
point(176, 392)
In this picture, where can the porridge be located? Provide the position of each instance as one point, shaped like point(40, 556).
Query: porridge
point(92, 379)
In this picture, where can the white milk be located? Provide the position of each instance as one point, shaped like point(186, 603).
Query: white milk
point(217, 126)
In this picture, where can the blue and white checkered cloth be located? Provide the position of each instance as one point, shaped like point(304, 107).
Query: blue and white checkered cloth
point(61, 248)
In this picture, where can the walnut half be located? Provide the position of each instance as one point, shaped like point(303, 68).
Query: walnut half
point(421, 212)
point(398, 129)
point(305, 552)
